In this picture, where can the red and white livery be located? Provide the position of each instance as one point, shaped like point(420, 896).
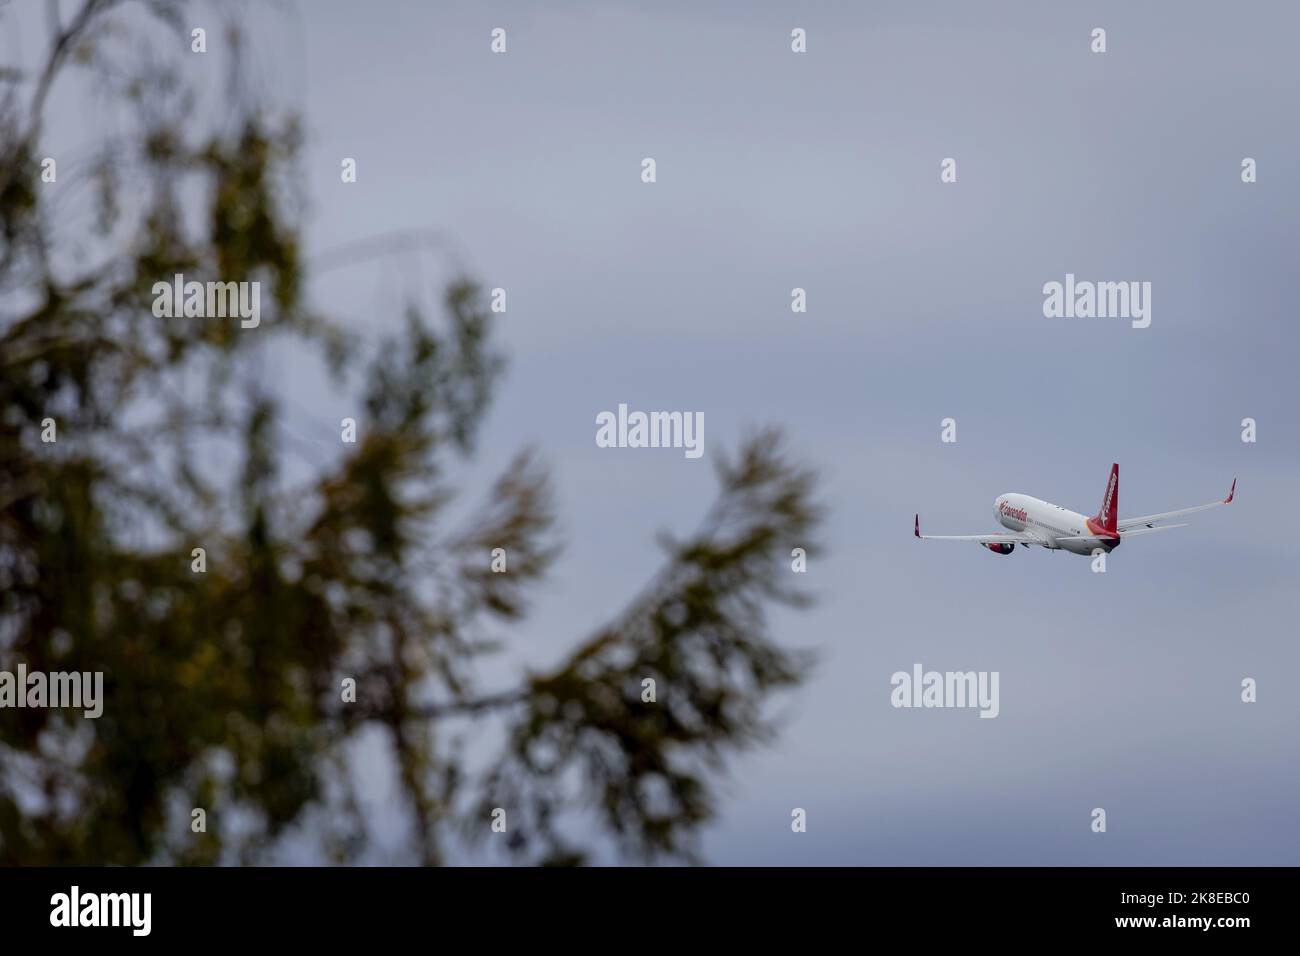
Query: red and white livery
point(1032, 521)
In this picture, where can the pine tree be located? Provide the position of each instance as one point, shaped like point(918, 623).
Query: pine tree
point(223, 687)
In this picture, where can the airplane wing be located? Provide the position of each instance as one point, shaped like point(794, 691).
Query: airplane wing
point(1006, 537)
point(1146, 521)
point(1137, 531)
point(1098, 541)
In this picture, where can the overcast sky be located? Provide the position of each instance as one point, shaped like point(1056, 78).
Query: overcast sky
point(821, 170)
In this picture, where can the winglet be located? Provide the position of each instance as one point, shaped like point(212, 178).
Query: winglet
point(1228, 500)
point(916, 529)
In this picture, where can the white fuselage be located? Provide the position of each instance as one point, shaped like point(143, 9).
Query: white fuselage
point(1035, 516)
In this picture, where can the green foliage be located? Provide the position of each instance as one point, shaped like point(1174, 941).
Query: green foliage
point(223, 688)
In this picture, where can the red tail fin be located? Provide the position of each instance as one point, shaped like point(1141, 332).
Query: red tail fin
point(1107, 517)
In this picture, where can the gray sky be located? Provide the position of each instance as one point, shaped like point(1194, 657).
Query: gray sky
point(821, 170)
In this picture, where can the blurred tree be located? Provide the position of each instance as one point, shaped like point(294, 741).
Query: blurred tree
point(223, 688)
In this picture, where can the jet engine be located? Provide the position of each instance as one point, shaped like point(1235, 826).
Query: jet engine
point(1002, 548)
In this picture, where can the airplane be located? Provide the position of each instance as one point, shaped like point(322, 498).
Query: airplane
point(1034, 522)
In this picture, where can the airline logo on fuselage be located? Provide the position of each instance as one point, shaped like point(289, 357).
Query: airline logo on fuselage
point(1007, 511)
